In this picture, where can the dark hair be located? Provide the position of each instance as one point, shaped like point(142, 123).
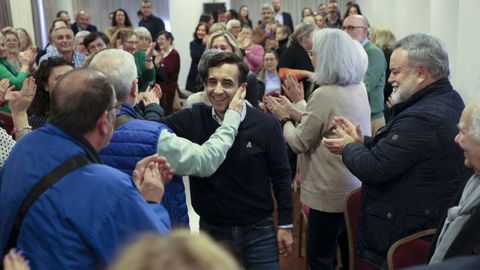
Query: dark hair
point(285, 29)
point(41, 101)
point(127, 19)
point(233, 13)
point(226, 58)
point(79, 99)
point(349, 7)
point(167, 35)
point(93, 36)
point(59, 13)
point(272, 52)
point(205, 17)
point(244, 20)
point(198, 26)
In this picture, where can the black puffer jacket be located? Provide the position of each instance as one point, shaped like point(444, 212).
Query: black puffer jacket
point(410, 170)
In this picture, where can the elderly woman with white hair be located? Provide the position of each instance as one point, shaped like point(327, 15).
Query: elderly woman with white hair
point(340, 65)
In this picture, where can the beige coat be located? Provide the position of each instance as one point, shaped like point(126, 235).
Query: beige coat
point(325, 179)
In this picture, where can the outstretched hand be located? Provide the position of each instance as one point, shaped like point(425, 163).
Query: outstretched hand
point(293, 88)
point(20, 100)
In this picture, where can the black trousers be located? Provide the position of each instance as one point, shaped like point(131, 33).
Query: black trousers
point(323, 231)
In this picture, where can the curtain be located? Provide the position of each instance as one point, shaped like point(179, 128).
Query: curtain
point(5, 14)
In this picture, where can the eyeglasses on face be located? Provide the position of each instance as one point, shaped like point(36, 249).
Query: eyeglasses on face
point(115, 106)
point(352, 27)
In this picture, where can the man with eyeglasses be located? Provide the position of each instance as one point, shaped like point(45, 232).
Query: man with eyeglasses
point(79, 221)
point(357, 27)
point(265, 31)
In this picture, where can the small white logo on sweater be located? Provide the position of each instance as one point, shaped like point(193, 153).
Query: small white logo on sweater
point(249, 145)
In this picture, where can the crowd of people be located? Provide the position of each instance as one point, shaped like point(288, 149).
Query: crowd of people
point(334, 101)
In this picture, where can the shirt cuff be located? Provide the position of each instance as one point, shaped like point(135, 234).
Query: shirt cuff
point(287, 226)
point(300, 106)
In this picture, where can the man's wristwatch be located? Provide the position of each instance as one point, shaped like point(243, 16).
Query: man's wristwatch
point(285, 120)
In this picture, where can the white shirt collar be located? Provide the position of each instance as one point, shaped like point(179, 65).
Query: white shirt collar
point(220, 121)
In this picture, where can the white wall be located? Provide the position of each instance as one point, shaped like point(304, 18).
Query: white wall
point(454, 22)
point(20, 10)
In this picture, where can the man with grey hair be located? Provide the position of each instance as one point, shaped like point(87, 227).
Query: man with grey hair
point(411, 168)
point(357, 27)
point(134, 138)
point(266, 29)
point(63, 41)
point(459, 234)
point(234, 27)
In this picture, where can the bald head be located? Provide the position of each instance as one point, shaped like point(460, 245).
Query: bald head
point(120, 65)
point(82, 19)
point(356, 26)
point(79, 99)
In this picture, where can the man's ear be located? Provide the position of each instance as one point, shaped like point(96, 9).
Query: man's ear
point(103, 124)
point(422, 72)
point(134, 89)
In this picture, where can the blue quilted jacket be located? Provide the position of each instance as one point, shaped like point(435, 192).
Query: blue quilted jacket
point(135, 140)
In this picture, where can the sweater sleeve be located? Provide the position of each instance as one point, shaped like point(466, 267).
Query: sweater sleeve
point(280, 174)
point(375, 80)
point(309, 132)
point(16, 81)
point(188, 158)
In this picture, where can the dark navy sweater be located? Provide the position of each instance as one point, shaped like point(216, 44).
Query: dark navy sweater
point(239, 192)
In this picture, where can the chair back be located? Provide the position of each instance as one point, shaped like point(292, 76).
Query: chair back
point(410, 251)
point(351, 211)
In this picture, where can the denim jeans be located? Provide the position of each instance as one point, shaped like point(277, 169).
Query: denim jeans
point(254, 245)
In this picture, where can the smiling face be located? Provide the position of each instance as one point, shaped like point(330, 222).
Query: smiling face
point(82, 20)
point(466, 141)
point(267, 15)
point(12, 43)
point(201, 31)
point(120, 18)
point(222, 44)
point(402, 77)
point(164, 43)
point(130, 45)
point(221, 86)
point(147, 9)
point(63, 40)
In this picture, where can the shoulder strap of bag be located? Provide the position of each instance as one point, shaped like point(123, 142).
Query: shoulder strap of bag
point(122, 119)
point(43, 185)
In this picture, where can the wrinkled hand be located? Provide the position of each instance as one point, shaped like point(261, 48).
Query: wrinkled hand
point(336, 146)
point(15, 261)
point(150, 50)
point(151, 96)
point(20, 100)
point(277, 107)
point(150, 176)
point(349, 128)
point(27, 57)
point(237, 101)
point(285, 241)
point(293, 88)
